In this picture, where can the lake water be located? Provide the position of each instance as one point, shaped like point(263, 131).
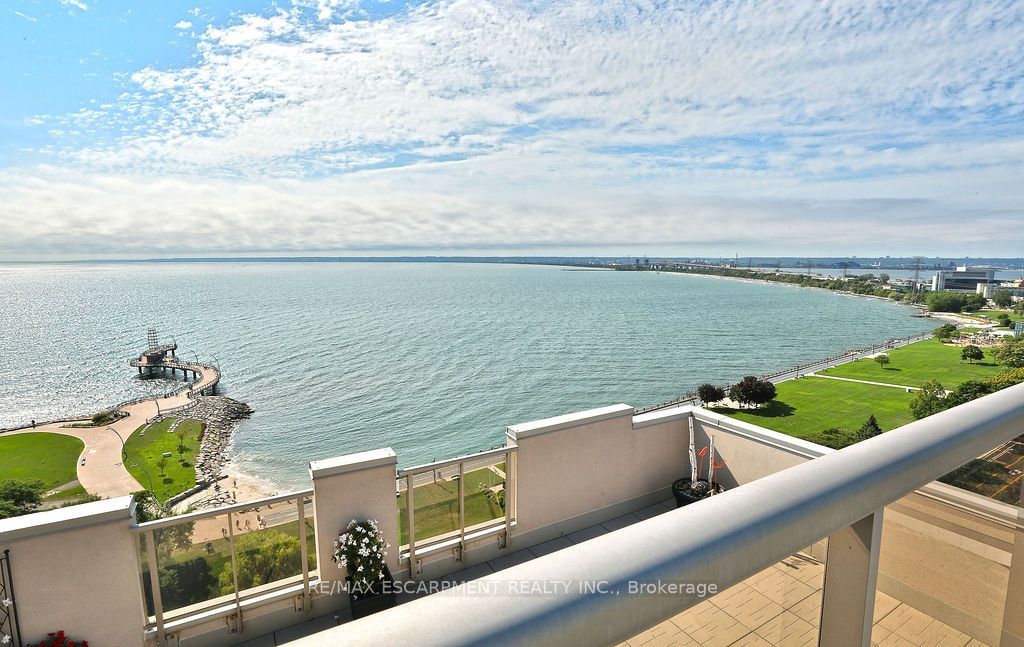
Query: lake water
point(431, 359)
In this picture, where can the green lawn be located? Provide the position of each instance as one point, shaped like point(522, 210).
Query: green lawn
point(810, 405)
point(437, 505)
point(915, 364)
point(50, 458)
point(992, 315)
point(144, 451)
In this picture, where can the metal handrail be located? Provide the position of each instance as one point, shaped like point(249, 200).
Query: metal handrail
point(451, 462)
point(166, 522)
point(723, 540)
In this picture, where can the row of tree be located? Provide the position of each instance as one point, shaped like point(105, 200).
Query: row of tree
point(750, 391)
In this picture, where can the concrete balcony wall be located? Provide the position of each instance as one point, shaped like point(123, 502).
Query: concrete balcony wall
point(356, 486)
point(580, 469)
point(77, 569)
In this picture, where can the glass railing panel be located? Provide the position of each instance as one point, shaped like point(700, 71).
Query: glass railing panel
point(484, 492)
point(947, 563)
point(435, 499)
point(268, 544)
point(193, 562)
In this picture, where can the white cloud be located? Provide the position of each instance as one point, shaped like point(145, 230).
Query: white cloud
point(183, 24)
point(26, 16)
point(790, 123)
point(77, 4)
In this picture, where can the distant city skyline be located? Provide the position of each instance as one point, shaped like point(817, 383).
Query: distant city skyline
point(479, 127)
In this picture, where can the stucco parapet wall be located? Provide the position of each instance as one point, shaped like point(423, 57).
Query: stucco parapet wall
point(121, 508)
point(547, 425)
point(767, 436)
point(352, 463)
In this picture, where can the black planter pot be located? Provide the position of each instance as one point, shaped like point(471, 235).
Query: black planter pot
point(686, 491)
point(382, 596)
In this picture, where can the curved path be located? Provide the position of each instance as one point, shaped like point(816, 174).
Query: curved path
point(100, 469)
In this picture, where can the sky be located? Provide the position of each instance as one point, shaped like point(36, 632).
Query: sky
point(484, 127)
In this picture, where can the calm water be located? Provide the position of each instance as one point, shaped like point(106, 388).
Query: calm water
point(431, 359)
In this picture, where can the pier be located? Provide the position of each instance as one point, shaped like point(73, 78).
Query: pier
point(160, 357)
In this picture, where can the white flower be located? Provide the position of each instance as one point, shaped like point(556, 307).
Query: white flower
point(6, 602)
point(6, 639)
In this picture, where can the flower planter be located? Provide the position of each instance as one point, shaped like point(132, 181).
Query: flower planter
point(381, 596)
point(687, 491)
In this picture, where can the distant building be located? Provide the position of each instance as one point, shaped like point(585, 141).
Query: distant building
point(963, 279)
point(987, 290)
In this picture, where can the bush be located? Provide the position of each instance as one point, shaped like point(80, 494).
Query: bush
point(1006, 379)
point(19, 497)
point(930, 399)
point(1011, 353)
point(263, 557)
point(710, 393)
point(834, 437)
point(58, 639)
point(969, 390)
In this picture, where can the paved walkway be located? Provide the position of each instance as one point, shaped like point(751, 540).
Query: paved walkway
point(850, 379)
point(100, 470)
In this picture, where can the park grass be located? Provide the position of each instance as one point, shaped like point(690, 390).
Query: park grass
point(436, 505)
point(807, 406)
point(917, 363)
point(992, 315)
point(142, 452)
point(50, 458)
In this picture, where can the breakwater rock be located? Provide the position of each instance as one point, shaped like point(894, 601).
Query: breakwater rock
point(221, 415)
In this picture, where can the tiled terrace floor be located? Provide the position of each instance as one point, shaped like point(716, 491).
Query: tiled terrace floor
point(778, 607)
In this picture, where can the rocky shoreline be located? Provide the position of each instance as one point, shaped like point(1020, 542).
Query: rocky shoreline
point(220, 416)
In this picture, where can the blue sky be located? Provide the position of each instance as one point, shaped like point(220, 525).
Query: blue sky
point(482, 126)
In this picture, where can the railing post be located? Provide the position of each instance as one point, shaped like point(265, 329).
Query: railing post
point(508, 500)
point(234, 572)
point(851, 575)
point(411, 522)
point(462, 510)
point(154, 584)
point(300, 504)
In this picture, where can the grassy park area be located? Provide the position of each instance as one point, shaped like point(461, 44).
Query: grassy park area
point(50, 458)
point(992, 315)
point(436, 504)
point(144, 451)
point(915, 364)
point(807, 406)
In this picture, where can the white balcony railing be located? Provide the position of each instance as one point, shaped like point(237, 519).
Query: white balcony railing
point(723, 540)
point(449, 477)
point(206, 563)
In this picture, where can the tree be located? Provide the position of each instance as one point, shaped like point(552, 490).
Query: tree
point(182, 435)
point(883, 359)
point(969, 390)
point(869, 429)
point(1006, 379)
point(1004, 320)
point(1019, 307)
point(972, 353)
point(19, 497)
point(945, 332)
point(883, 278)
point(1002, 298)
point(709, 393)
point(929, 399)
point(751, 390)
point(162, 464)
point(1011, 353)
point(263, 557)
